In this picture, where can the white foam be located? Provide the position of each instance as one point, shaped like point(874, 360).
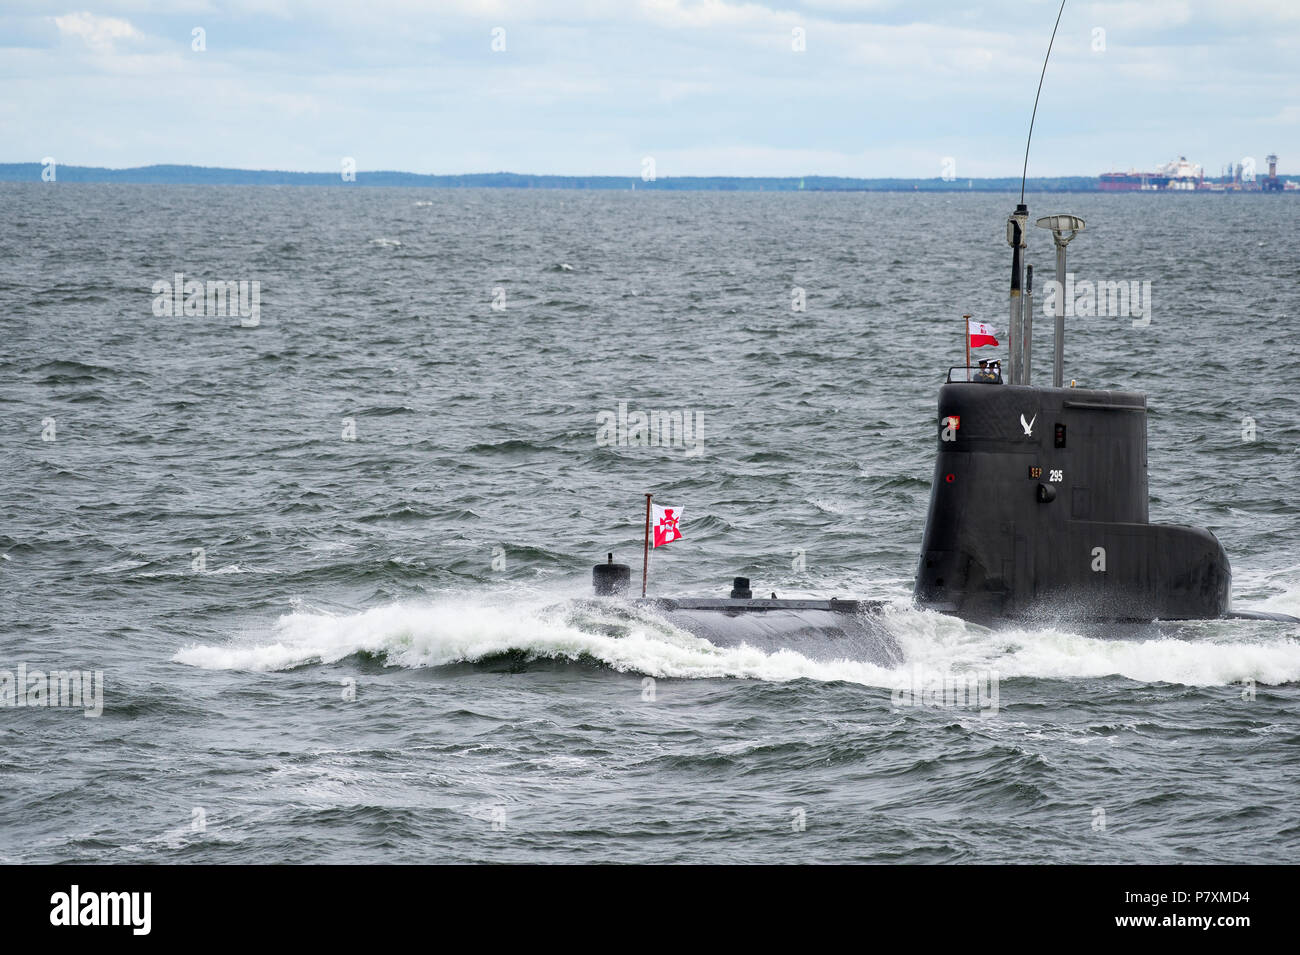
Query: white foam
point(425, 635)
point(117, 568)
point(1286, 600)
point(1052, 654)
point(1231, 653)
point(468, 629)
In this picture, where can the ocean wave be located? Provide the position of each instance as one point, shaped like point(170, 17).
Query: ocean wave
point(450, 632)
point(1230, 653)
point(626, 639)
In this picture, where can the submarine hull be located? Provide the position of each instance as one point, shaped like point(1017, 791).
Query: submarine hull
point(818, 629)
point(1038, 509)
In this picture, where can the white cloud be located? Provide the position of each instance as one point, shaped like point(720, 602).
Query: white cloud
point(703, 14)
point(1288, 116)
point(1147, 15)
point(1253, 10)
point(100, 34)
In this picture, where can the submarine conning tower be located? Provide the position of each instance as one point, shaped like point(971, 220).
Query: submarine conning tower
point(1039, 502)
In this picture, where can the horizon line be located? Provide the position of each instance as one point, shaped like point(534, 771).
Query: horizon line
point(534, 175)
point(185, 174)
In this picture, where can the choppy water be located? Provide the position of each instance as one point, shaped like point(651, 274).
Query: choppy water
point(491, 720)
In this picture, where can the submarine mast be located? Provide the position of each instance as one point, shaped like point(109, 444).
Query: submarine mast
point(1017, 360)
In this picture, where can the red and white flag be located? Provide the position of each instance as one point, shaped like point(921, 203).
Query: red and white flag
point(981, 334)
point(666, 526)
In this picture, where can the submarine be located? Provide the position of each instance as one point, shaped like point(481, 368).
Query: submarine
point(1038, 513)
point(1038, 507)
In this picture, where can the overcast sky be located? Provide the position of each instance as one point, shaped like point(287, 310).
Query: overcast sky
point(706, 87)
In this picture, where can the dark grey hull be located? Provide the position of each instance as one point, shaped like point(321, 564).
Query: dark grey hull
point(818, 629)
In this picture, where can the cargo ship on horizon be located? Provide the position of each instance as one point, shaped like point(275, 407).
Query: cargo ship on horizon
point(1182, 176)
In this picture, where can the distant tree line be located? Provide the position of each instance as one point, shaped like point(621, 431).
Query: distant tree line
point(206, 175)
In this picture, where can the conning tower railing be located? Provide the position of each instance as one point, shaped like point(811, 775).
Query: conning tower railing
point(989, 376)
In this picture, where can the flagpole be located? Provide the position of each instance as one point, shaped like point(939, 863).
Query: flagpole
point(965, 331)
point(645, 561)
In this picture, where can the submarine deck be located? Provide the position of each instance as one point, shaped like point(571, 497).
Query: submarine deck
point(757, 604)
point(727, 605)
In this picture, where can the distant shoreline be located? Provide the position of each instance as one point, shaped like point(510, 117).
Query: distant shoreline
point(216, 176)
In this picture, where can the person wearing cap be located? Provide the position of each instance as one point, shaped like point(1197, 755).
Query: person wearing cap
point(995, 370)
point(984, 374)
